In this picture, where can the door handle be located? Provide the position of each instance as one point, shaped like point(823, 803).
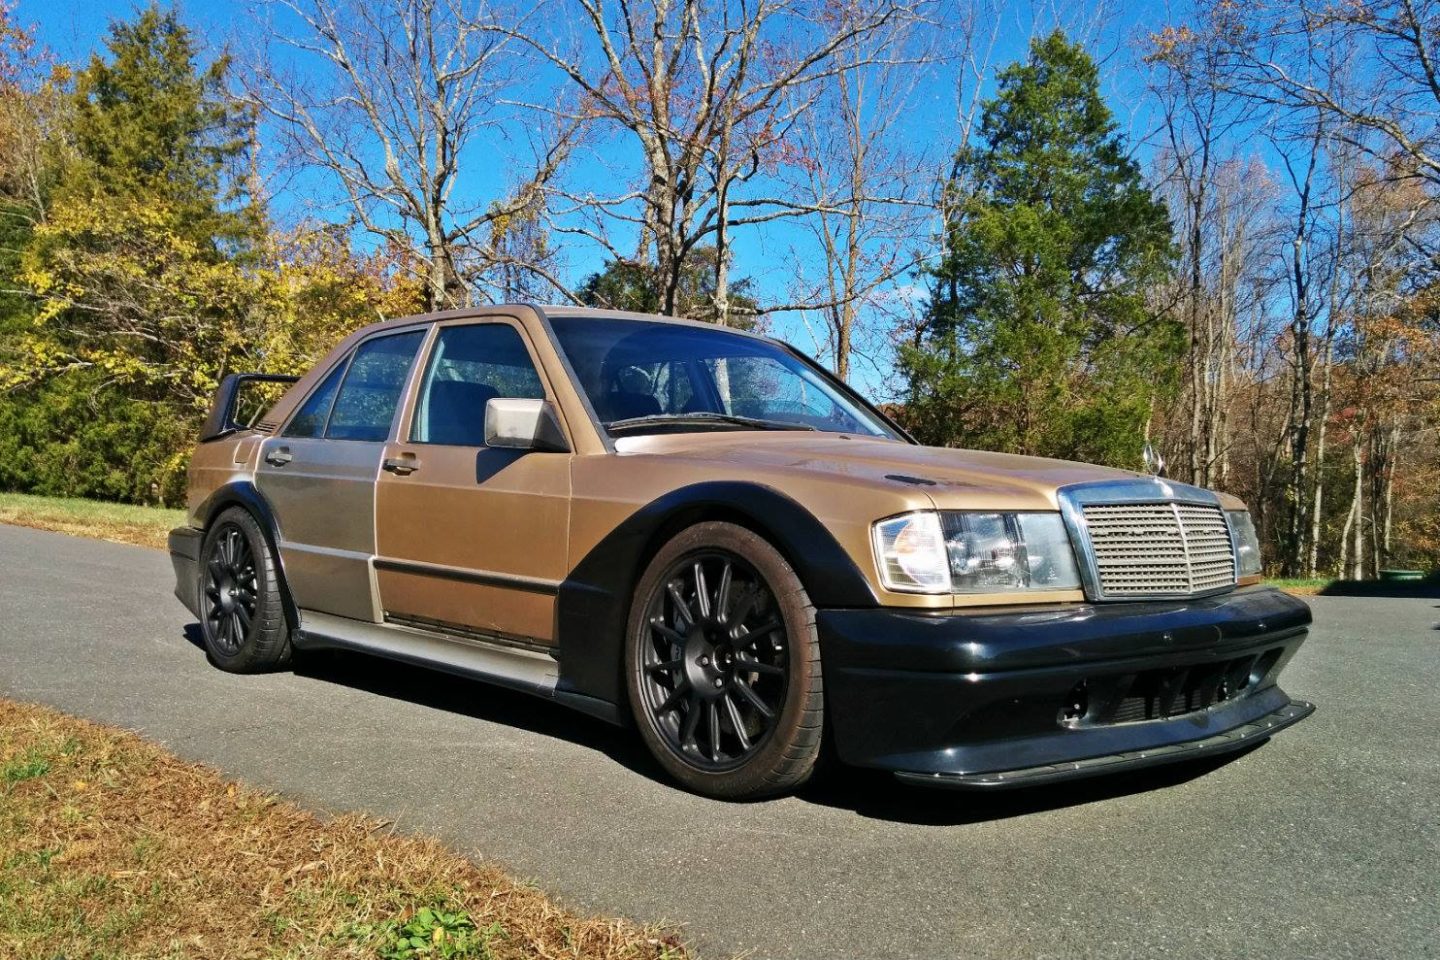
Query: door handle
point(279, 456)
point(404, 464)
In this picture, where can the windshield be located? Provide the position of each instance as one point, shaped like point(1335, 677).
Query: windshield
point(645, 376)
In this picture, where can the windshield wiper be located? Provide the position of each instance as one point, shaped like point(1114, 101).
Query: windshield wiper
point(703, 418)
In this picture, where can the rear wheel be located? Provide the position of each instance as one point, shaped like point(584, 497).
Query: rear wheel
point(243, 620)
point(723, 664)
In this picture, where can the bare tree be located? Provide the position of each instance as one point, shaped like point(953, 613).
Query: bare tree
point(31, 105)
point(869, 191)
point(1370, 67)
point(1197, 119)
point(388, 100)
point(708, 93)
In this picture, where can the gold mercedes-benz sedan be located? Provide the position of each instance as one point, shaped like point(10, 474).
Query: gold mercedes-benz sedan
point(703, 533)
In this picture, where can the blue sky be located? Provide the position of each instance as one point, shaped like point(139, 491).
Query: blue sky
point(75, 28)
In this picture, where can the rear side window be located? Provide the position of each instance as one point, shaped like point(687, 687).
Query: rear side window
point(310, 421)
point(366, 403)
point(470, 366)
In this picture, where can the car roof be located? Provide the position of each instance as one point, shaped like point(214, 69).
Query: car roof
point(557, 311)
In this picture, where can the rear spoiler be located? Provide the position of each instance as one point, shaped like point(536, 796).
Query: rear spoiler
point(221, 420)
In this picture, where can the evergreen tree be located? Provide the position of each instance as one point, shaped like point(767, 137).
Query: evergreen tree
point(150, 274)
point(1038, 337)
point(141, 264)
point(142, 269)
point(629, 285)
point(150, 124)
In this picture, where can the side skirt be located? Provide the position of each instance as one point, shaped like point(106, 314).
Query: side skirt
point(520, 668)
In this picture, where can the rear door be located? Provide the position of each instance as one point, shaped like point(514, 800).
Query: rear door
point(472, 540)
point(319, 475)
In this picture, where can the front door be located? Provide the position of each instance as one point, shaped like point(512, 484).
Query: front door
point(319, 476)
point(471, 540)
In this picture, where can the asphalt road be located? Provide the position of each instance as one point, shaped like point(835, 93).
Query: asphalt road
point(1322, 843)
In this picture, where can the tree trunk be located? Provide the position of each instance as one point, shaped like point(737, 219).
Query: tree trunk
point(842, 346)
point(1318, 495)
point(1357, 512)
point(1386, 543)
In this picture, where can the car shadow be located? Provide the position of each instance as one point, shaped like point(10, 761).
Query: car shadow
point(1428, 589)
point(462, 696)
point(479, 700)
point(872, 794)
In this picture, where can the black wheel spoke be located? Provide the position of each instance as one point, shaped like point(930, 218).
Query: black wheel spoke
point(677, 697)
point(674, 636)
point(749, 637)
point(759, 666)
point(681, 607)
point(243, 618)
point(722, 593)
point(735, 721)
point(667, 666)
point(714, 725)
point(691, 722)
point(702, 592)
point(753, 698)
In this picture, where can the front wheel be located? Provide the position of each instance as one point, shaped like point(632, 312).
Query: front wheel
point(244, 618)
point(723, 664)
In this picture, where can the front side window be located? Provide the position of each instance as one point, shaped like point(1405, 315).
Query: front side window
point(642, 376)
point(470, 366)
point(366, 403)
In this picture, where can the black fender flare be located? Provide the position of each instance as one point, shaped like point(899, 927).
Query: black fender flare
point(244, 493)
point(593, 602)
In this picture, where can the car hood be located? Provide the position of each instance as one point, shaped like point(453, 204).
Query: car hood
point(971, 479)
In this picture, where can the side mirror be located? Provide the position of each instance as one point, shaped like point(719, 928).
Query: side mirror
point(523, 425)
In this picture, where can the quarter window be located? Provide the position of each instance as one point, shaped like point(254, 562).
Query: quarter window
point(310, 421)
point(470, 366)
point(366, 403)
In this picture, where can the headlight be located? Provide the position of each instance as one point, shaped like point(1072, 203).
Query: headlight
point(961, 552)
point(911, 551)
point(1247, 543)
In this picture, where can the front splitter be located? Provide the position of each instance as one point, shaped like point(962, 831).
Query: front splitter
point(1233, 739)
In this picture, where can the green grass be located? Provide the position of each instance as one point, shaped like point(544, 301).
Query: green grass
point(1428, 587)
point(1308, 584)
point(122, 522)
point(27, 767)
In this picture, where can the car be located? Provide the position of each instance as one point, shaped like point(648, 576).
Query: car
point(701, 532)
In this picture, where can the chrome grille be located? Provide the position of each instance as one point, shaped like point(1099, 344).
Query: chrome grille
point(1159, 549)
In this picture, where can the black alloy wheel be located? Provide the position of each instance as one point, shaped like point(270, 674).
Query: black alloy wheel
point(230, 588)
point(243, 621)
point(724, 665)
point(715, 666)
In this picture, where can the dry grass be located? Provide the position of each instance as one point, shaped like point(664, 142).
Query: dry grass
point(110, 847)
point(122, 523)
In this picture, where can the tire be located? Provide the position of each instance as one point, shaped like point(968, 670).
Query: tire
point(243, 619)
point(727, 692)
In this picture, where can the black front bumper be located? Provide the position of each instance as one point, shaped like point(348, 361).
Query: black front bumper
point(1028, 695)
